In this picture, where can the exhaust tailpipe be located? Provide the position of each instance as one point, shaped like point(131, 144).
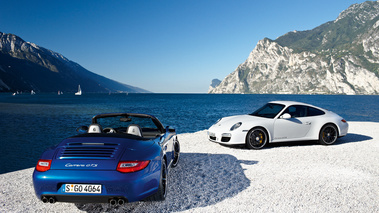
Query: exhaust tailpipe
point(52, 200)
point(112, 202)
point(45, 199)
point(121, 201)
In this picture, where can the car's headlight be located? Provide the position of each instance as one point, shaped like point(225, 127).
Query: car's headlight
point(236, 126)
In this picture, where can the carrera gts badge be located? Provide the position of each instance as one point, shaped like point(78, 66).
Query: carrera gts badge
point(93, 165)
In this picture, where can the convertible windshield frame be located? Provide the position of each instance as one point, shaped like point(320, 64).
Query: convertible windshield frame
point(269, 110)
point(155, 120)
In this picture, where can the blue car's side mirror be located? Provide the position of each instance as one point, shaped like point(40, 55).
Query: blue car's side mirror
point(170, 129)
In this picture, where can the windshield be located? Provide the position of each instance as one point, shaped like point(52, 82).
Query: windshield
point(123, 122)
point(269, 110)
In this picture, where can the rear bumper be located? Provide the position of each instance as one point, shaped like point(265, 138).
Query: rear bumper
point(343, 129)
point(83, 198)
point(128, 186)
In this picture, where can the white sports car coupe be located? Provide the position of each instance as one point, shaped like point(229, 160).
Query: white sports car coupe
point(279, 121)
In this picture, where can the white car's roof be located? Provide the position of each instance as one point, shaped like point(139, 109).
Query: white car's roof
point(287, 103)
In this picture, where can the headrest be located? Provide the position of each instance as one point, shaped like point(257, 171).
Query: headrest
point(134, 129)
point(94, 128)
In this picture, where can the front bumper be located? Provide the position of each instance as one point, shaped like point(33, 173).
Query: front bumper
point(129, 186)
point(231, 138)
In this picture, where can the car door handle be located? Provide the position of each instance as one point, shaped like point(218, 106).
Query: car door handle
point(308, 123)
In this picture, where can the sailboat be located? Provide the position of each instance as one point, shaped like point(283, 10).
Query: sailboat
point(32, 92)
point(79, 91)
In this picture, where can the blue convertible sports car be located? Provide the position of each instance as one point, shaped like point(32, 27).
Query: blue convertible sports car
point(126, 161)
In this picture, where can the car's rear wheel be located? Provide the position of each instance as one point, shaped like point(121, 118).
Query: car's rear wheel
point(256, 138)
point(175, 161)
point(162, 188)
point(328, 134)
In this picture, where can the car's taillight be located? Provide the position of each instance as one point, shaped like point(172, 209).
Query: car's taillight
point(43, 165)
point(343, 120)
point(132, 166)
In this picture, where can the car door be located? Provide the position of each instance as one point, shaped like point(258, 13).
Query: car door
point(293, 128)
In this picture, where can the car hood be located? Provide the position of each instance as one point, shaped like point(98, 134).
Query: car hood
point(97, 153)
point(227, 122)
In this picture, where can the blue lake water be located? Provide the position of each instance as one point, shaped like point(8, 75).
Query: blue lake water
point(31, 123)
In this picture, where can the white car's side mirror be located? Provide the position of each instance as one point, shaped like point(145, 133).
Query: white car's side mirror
point(286, 116)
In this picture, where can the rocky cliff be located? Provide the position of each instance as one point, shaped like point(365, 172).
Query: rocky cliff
point(338, 57)
point(214, 84)
point(25, 66)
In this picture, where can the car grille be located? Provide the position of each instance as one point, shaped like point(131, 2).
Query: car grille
point(89, 151)
point(225, 139)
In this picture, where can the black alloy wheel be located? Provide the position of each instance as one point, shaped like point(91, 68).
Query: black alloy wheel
point(328, 134)
point(256, 138)
point(163, 183)
point(175, 161)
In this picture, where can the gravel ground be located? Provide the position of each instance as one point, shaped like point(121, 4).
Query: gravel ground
point(287, 177)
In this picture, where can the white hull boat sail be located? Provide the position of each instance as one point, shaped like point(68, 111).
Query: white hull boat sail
point(79, 91)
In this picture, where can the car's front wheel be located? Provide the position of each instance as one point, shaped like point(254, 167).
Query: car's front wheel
point(328, 134)
point(175, 161)
point(256, 138)
point(162, 188)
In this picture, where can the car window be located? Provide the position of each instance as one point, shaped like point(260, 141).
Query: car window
point(120, 121)
point(298, 111)
point(314, 112)
point(143, 122)
point(269, 110)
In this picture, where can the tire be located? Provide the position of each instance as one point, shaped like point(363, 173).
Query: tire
point(256, 138)
point(175, 161)
point(328, 134)
point(162, 188)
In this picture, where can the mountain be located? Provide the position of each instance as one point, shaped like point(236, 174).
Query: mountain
point(25, 66)
point(214, 84)
point(338, 57)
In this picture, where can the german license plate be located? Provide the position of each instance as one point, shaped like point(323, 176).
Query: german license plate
point(82, 188)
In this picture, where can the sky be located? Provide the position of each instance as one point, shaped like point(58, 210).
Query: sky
point(164, 46)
